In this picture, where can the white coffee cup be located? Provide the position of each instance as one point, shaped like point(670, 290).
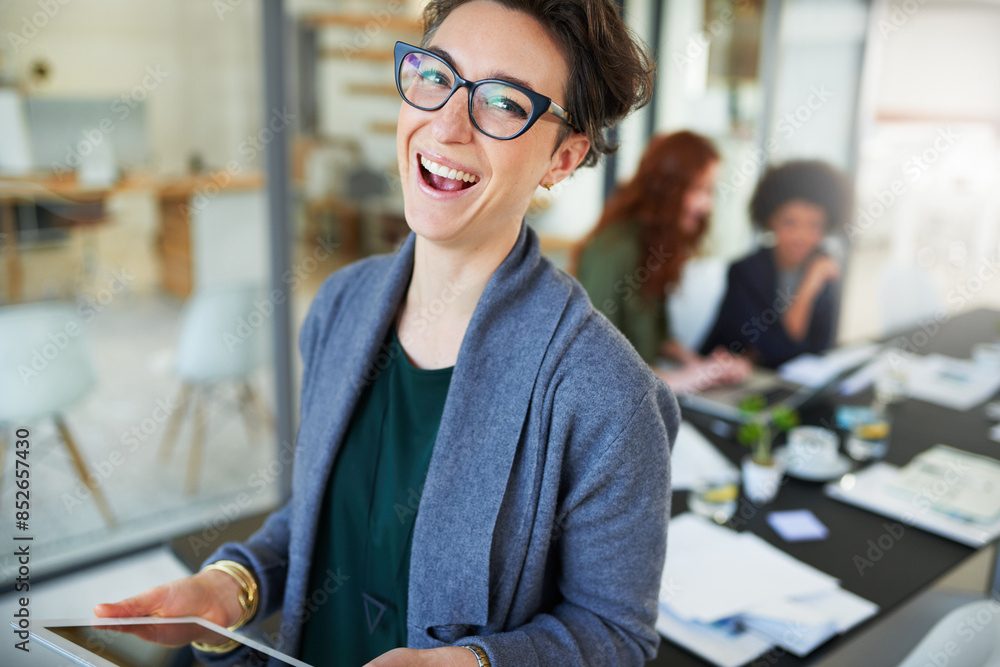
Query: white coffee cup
point(811, 449)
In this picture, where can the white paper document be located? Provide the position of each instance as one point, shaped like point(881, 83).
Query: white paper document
point(956, 483)
point(725, 573)
point(694, 459)
point(715, 644)
point(873, 489)
point(729, 597)
point(815, 371)
point(802, 624)
point(792, 625)
point(844, 607)
point(959, 384)
point(865, 376)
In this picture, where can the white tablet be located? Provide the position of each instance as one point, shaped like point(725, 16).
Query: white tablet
point(145, 642)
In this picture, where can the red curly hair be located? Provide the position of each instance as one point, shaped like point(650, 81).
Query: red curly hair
point(654, 198)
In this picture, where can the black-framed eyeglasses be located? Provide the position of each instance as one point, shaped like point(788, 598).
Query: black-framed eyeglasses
point(499, 109)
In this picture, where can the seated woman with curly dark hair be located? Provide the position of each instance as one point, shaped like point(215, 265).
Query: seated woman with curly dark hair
point(782, 301)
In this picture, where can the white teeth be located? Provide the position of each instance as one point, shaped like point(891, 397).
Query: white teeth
point(445, 172)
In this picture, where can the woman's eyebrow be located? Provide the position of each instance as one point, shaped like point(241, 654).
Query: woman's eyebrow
point(496, 74)
point(503, 76)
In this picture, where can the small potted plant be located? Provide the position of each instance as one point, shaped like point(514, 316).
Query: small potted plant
point(761, 476)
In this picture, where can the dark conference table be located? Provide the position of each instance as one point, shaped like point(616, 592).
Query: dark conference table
point(914, 560)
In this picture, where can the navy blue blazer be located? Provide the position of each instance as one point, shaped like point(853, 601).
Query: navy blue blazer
point(749, 318)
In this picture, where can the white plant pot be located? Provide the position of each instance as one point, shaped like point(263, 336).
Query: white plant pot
point(760, 483)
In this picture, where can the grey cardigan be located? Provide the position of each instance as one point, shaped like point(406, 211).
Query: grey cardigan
point(541, 529)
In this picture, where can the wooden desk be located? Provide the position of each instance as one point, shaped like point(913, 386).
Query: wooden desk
point(174, 195)
point(917, 558)
point(46, 187)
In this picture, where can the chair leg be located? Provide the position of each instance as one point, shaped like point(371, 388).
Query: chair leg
point(265, 415)
point(81, 469)
point(174, 423)
point(197, 445)
point(246, 405)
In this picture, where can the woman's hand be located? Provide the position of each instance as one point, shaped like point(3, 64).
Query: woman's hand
point(732, 369)
point(719, 368)
point(796, 319)
point(211, 595)
point(822, 270)
point(448, 656)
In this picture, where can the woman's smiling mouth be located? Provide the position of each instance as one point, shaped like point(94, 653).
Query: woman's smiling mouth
point(442, 178)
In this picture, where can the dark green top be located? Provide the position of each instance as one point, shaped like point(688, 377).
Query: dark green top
point(361, 562)
point(612, 270)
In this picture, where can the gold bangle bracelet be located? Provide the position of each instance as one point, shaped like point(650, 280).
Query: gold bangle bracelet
point(221, 648)
point(484, 660)
point(248, 597)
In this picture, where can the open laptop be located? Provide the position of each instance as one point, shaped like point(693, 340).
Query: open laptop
point(724, 402)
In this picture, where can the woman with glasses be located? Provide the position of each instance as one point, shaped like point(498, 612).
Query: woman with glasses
point(481, 470)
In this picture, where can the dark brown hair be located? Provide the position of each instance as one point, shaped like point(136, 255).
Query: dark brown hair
point(813, 181)
point(610, 72)
point(654, 198)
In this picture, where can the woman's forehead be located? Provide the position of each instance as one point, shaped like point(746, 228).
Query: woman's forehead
point(485, 40)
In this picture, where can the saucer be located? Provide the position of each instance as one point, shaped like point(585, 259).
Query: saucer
point(839, 467)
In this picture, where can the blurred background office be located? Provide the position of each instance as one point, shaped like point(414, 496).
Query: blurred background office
point(143, 294)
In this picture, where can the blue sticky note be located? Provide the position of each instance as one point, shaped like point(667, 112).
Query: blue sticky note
point(797, 526)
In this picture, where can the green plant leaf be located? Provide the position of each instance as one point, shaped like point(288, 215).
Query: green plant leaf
point(750, 433)
point(752, 404)
point(784, 419)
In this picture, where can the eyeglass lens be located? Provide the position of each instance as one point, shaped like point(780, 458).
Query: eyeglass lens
point(499, 110)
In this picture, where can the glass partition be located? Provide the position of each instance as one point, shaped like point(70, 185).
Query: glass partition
point(137, 382)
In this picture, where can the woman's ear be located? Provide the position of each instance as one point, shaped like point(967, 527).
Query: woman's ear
point(567, 157)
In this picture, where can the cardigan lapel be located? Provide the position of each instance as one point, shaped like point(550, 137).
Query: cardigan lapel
point(480, 431)
point(346, 368)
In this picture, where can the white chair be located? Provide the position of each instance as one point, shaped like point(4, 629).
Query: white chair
point(968, 636)
point(692, 307)
point(908, 296)
point(224, 334)
point(45, 369)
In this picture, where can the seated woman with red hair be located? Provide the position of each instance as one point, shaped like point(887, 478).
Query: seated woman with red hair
point(649, 229)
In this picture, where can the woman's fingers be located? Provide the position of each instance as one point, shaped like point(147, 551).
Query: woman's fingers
point(147, 603)
point(177, 598)
point(211, 595)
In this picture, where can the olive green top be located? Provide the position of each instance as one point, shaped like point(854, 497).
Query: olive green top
point(612, 270)
point(361, 562)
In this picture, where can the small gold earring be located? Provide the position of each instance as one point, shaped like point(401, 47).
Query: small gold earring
point(548, 186)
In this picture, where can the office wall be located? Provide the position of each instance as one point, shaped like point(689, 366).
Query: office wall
point(931, 127)
point(941, 61)
point(819, 69)
point(197, 70)
point(929, 159)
